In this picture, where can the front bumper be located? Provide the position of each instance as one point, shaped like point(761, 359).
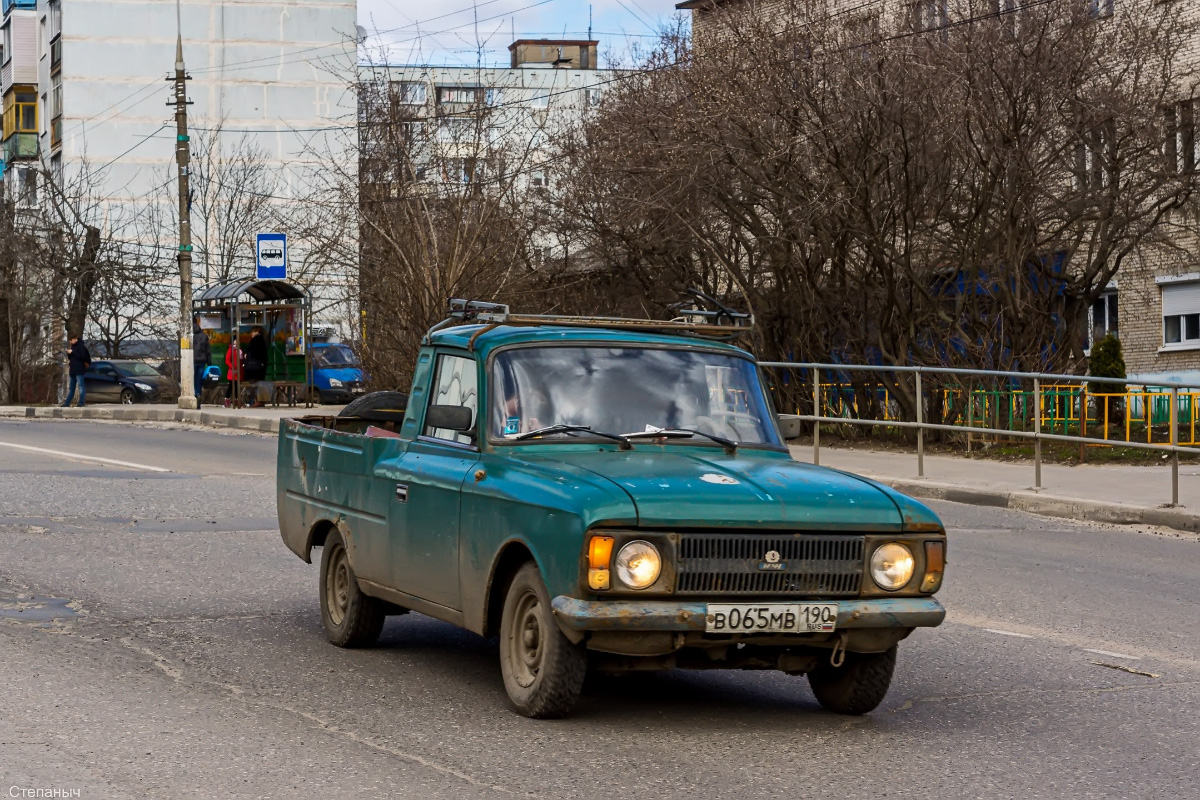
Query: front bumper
point(673, 615)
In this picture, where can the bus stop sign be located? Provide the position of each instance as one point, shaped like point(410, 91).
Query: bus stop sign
point(271, 257)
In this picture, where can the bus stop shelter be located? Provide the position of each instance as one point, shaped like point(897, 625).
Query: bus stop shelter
point(230, 311)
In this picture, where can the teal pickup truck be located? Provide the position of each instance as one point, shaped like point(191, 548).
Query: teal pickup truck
point(611, 495)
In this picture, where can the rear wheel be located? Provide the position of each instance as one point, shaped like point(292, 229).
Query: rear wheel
point(858, 685)
point(351, 618)
point(543, 671)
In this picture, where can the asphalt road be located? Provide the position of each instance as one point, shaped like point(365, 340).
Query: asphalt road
point(157, 640)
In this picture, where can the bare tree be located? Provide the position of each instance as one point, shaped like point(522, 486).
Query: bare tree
point(892, 190)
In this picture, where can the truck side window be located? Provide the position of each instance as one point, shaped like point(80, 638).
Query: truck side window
point(456, 384)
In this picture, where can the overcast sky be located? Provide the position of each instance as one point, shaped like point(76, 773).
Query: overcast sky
point(452, 31)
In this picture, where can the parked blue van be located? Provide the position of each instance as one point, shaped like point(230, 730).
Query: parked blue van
point(337, 373)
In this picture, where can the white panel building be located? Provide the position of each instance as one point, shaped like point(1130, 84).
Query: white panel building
point(84, 89)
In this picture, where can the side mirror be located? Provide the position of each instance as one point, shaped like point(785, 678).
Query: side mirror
point(790, 426)
point(452, 418)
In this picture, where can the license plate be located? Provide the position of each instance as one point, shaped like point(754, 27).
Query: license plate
point(357, 390)
point(775, 618)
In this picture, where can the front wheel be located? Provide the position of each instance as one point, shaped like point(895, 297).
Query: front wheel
point(128, 398)
point(543, 671)
point(858, 685)
point(351, 618)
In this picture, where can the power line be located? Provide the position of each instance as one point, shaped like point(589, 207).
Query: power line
point(276, 59)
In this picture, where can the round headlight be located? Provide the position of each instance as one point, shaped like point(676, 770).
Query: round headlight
point(638, 564)
point(892, 566)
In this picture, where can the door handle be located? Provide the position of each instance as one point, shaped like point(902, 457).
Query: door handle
point(402, 492)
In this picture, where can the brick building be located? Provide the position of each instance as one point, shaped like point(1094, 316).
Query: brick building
point(1154, 302)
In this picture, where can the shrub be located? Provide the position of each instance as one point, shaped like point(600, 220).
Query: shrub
point(1107, 361)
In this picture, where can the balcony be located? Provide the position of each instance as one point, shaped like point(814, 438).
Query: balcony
point(19, 146)
point(30, 5)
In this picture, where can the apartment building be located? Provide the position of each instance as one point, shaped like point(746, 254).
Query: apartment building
point(1153, 304)
point(546, 91)
point(462, 124)
point(84, 92)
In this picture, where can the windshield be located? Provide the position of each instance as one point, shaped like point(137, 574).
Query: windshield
point(133, 369)
point(620, 390)
point(335, 355)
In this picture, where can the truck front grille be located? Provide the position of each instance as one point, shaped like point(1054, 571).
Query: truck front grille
point(779, 564)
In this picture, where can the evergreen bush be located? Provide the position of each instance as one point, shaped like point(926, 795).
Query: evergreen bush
point(1107, 361)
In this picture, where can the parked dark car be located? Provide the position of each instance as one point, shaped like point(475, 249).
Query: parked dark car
point(120, 381)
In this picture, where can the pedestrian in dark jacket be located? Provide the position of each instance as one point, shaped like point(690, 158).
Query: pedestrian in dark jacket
point(255, 365)
point(256, 356)
point(201, 354)
point(78, 360)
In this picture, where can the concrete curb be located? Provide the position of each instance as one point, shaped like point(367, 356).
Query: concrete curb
point(134, 414)
point(1048, 505)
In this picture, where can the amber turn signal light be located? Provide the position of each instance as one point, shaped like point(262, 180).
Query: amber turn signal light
point(600, 552)
point(935, 565)
point(599, 558)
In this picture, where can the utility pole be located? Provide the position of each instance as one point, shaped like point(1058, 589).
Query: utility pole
point(187, 376)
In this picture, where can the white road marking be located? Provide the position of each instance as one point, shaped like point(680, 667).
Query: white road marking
point(81, 457)
point(1009, 633)
point(1110, 653)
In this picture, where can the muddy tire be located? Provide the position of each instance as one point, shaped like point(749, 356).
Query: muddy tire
point(351, 618)
point(858, 685)
point(543, 671)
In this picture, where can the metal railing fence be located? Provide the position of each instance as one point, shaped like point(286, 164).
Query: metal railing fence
point(1054, 402)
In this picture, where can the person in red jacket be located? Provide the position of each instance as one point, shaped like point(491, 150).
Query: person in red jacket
point(233, 370)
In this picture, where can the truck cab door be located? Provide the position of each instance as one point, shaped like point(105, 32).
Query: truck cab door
point(426, 511)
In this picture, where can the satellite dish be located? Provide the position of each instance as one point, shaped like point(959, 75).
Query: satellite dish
point(361, 33)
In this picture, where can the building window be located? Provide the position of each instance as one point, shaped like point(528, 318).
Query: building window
point(1095, 165)
point(410, 93)
point(931, 15)
point(1101, 8)
point(493, 97)
point(55, 14)
point(26, 186)
point(593, 96)
point(462, 170)
point(537, 179)
point(456, 129)
point(457, 95)
point(1182, 148)
point(8, 42)
point(540, 100)
point(1103, 317)
point(20, 112)
point(1181, 314)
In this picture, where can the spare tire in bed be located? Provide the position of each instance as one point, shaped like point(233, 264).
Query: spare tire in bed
point(378, 406)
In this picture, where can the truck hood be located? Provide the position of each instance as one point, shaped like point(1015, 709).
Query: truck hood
point(704, 487)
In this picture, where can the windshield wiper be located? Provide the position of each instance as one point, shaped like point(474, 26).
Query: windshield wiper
point(552, 429)
point(684, 433)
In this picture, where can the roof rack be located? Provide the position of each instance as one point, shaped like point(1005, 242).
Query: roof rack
point(723, 323)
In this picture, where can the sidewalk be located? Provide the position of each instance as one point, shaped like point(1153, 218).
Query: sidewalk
point(1128, 495)
point(263, 420)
